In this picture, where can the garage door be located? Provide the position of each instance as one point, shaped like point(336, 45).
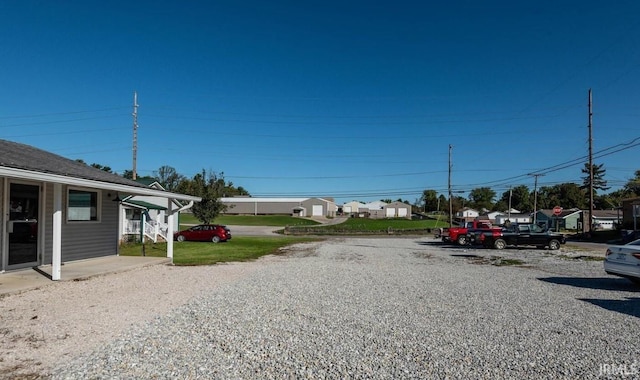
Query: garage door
point(402, 213)
point(317, 210)
point(391, 212)
point(347, 209)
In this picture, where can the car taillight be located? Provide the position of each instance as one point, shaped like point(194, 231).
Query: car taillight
point(636, 255)
point(608, 252)
point(482, 237)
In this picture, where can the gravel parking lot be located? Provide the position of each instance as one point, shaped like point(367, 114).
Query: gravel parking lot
point(343, 308)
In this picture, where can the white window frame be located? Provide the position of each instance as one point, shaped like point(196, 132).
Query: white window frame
point(98, 205)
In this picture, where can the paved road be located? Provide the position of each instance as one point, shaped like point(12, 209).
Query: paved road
point(254, 230)
point(271, 231)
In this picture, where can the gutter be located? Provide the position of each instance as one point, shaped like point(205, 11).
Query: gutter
point(183, 208)
point(74, 181)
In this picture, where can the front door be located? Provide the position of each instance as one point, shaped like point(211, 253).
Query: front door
point(24, 207)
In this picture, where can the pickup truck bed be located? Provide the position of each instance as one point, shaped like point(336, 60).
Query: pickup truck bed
point(460, 235)
point(521, 235)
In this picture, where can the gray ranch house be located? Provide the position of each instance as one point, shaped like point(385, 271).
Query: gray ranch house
point(54, 210)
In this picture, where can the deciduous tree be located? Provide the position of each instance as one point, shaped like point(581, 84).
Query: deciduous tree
point(632, 187)
point(521, 199)
point(429, 200)
point(210, 187)
point(482, 198)
point(168, 178)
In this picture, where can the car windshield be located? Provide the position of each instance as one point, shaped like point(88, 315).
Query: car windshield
point(635, 242)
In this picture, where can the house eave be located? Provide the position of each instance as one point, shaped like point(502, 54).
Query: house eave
point(74, 181)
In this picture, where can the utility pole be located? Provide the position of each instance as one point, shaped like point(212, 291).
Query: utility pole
point(450, 204)
point(135, 133)
point(509, 212)
point(590, 163)
point(535, 195)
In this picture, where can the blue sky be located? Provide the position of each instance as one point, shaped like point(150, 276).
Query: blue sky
point(356, 100)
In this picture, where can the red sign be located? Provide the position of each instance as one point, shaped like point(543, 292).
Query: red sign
point(557, 210)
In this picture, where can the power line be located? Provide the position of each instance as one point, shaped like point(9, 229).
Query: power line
point(59, 113)
point(58, 121)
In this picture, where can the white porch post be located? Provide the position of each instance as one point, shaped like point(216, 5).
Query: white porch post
point(156, 230)
point(122, 220)
point(56, 255)
point(143, 221)
point(170, 221)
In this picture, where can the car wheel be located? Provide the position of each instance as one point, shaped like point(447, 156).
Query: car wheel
point(554, 245)
point(499, 244)
point(215, 239)
point(462, 240)
point(180, 238)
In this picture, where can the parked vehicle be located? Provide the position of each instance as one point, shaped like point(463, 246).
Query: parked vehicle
point(518, 235)
point(204, 232)
point(460, 234)
point(624, 261)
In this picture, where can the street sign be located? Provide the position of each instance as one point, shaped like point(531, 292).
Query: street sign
point(557, 210)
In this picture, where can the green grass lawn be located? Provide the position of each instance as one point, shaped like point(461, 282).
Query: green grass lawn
point(240, 248)
point(364, 224)
point(250, 220)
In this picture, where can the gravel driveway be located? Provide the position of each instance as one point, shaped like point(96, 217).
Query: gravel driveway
point(344, 308)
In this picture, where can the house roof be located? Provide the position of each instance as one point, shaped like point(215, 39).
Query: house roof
point(549, 212)
point(24, 161)
point(607, 214)
point(375, 205)
point(396, 203)
point(148, 182)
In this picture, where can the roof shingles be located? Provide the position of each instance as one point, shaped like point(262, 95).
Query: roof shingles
point(20, 156)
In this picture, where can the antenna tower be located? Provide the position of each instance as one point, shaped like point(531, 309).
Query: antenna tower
point(135, 133)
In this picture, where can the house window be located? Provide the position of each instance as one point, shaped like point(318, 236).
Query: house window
point(82, 206)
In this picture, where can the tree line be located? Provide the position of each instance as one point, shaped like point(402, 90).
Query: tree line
point(208, 185)
point(211, 186)
point(567, 195)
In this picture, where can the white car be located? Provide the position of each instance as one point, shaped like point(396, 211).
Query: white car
point(624, 261)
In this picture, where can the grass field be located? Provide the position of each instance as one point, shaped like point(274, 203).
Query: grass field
point(240, 248)
point(364, 226)
point(250, 220)
point(243, 248)
point(371, 225)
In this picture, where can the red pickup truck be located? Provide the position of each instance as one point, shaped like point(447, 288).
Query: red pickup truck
point(460, 234)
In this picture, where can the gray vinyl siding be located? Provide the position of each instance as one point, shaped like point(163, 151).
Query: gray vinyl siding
point(83, 240)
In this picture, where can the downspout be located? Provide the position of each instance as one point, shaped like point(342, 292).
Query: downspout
point(186, 207)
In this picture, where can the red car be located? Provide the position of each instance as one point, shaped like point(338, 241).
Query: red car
point(204, 232)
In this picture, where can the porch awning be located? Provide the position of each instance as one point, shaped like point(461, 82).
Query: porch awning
point(144, 205)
